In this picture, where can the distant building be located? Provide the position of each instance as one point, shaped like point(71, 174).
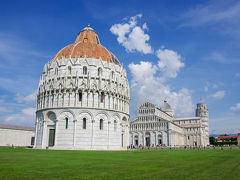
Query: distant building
point(157, 126)
point(228, 138)
point(16, 135)
point(238, 139)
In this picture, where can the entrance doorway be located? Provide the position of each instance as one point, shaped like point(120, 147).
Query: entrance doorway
point(51, 139)
point(159, 139)
point(147, 141)
point(136, 142)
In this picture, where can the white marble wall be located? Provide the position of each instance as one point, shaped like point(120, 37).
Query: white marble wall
point(58, 98)
point(15, 137)
point(75, 137)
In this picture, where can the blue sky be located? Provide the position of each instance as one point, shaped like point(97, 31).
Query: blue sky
point(176, 50)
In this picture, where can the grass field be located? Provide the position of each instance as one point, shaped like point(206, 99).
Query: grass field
point(22, 163)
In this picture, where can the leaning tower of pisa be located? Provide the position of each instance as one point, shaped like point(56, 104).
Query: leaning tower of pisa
point(202, 112)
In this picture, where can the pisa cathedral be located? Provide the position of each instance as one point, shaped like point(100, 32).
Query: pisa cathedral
point(83, 103)
point(157, 126)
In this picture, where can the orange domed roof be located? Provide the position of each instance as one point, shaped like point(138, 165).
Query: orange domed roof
point(86, 45)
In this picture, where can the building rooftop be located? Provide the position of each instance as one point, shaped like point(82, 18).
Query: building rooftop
point(225, 137)
point(187, 118)
point(86, 45)
point(16, 127)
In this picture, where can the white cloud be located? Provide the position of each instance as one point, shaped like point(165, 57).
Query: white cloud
point(18, 85)
point(218, 95)
point(4, 110)
point(221, 58)
point(29, 111)
point(169, 62)
point(147, 84)
point(211, 86)
point(215, 86)
point(215, 11)
point(22, 111)
point(235, 108)
point(26, 116)
point(13, 49)
point(237, 75)
point(132, 36)
point(206, 89)
point(144, 26)
point(30, 99)
point(223, 15)
point(227, 123)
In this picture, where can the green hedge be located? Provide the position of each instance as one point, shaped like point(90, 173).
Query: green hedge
point(225, 143)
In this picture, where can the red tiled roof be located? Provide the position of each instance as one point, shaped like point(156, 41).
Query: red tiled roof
point(226, 137)
point(86, 45)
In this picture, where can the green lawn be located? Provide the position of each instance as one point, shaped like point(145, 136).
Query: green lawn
point(22, 163)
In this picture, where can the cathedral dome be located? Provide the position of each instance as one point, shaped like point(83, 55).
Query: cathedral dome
point(86, 45)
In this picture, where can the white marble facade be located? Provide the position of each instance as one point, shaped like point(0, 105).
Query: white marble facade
point(83, 103)
point(155, 126)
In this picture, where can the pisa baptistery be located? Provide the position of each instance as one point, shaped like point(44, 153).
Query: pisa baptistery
point(83, 98)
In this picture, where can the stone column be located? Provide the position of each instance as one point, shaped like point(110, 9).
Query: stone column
point(36, 134)
point(84, 99)
point(110, 101)
point(104, 100)
point(98, 99)
point(156, 138)
point(63, 98)
point(52, 99)
point(95, 99)
point(45, 136)
point(60, 100)
point(56, 130)
point(90, 99)
point(74, 98)
point(55, 98)
point(70, 98)
point(133, 138)
point(109, 122)
point(169, 137)
point(151, 139)
point(93, 121)
point(143, 135)
point(74, 133)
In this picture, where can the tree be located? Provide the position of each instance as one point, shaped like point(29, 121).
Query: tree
point(212, 140)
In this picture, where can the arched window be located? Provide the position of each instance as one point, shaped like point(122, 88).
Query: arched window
point(102, 97)
point(101, 124)
point(69, 70)
point(56, 71)
point(85, 70)
point(80, 96)
point(66, 125)
point(84, 123)
point(85, 40)
point(115, 125)
point(112, 74)
point(99, 71)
